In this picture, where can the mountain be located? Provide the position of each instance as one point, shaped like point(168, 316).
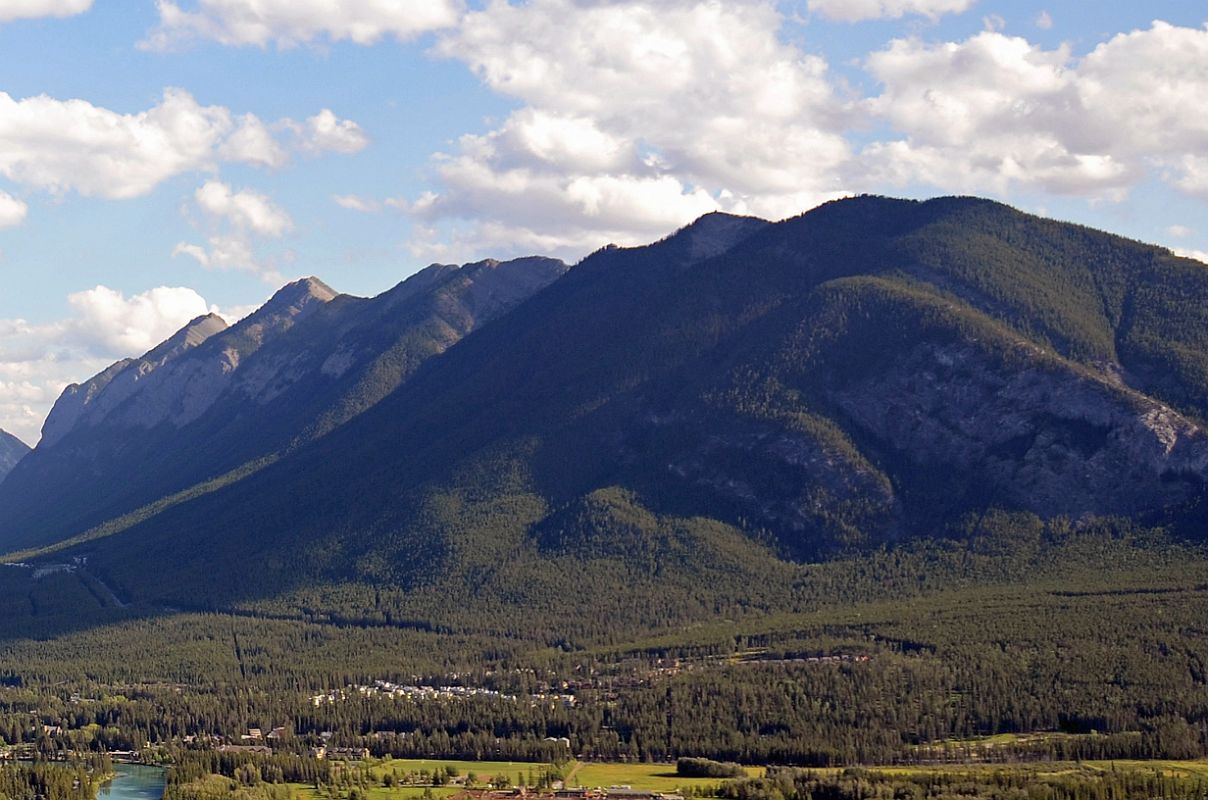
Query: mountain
point(675, 425)
point(213, 398)
point(12, 450)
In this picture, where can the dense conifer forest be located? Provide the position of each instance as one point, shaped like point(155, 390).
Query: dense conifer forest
point(1080, 642)
point(44, 780)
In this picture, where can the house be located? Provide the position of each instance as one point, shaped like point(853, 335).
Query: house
point(246, 748)
point(629, 793)
point(253, 735)
point(277, 734)
point(348, 753)
point(318, 753)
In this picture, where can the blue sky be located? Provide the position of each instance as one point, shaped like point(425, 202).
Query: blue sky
point(158, 159)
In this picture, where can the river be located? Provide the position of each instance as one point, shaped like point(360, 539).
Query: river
point(134, 782)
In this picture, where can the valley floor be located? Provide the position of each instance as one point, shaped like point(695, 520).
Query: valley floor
point(1086, 650)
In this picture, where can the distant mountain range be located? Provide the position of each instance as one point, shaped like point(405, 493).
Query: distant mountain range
point(12, 450)
point(692, 414)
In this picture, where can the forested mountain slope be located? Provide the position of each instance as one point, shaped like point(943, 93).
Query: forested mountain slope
point(679, 418)
point(212, 399)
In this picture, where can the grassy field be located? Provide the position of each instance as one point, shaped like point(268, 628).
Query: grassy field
point(1188, 769)
point(305, 792)
point(652, 777)
point(377, 769)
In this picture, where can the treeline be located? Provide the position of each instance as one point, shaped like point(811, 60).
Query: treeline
point(706, 768)
point(247, 769)
point(42, 780)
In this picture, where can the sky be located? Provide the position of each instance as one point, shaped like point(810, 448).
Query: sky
point(161, 159)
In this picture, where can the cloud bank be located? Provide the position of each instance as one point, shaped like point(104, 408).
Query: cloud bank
point(59, 146)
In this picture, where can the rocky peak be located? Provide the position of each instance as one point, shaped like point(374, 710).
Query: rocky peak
point(191, 335)
point(299, 294)
point(290, 303)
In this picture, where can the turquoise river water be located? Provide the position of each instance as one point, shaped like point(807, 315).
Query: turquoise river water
point(134, 782)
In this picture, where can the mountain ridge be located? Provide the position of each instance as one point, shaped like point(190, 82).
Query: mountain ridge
point(232, 395)
point(872, 371)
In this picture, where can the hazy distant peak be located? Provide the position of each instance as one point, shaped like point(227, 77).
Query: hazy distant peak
point(12, 450)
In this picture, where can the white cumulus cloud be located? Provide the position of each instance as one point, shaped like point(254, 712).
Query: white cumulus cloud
point(327, 133)
point(108, 322)
point(995, 112)
point(354, 202)
point(12, 210)
point(244, 209)
point(288, 23)
point(29, 9)
point(252, 142)
point(61, 145)
point(72, 145)
point(859, 10)
point(238, 223)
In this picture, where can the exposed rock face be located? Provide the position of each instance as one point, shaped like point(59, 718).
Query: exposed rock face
point(102, 395)
point(166, 386)
point(1049, 438)
point(70, 406)
point(181, 395)
point(12, 450)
